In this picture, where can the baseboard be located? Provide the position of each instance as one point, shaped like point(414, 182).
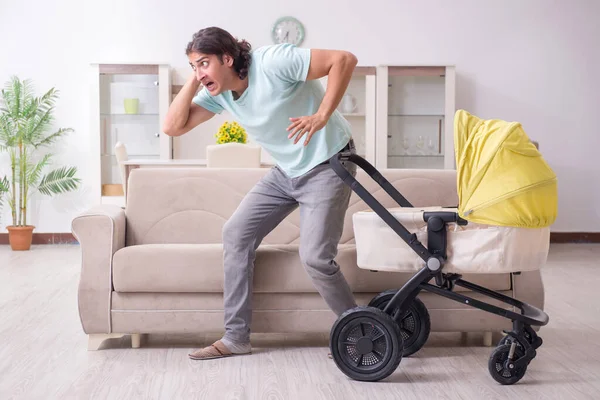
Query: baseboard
point(46, 238)
point(68, 238)
point(574, 237)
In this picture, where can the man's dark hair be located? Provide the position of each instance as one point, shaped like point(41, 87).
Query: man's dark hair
point(218, 41)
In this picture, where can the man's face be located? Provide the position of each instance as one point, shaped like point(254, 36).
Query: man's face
point(211, 72)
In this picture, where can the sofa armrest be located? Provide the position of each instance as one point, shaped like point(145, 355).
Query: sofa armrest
point(100, 232)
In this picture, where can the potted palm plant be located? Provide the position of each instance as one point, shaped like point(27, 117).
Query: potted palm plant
point(26, 129)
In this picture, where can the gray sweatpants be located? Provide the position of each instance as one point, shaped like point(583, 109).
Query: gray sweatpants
point(323, 200)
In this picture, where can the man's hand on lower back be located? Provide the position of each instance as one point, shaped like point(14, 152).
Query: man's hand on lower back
point(305, 126)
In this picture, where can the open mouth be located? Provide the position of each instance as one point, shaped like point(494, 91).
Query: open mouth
point(210, 85)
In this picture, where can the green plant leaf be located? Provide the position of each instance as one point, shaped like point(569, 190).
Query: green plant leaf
point(8, 131)
point(4, 187)
point(16, 94)
point(50, 139)
point(58, 181)
point(34, 172)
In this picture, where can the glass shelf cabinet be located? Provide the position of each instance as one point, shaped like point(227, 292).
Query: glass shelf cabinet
point(129, 102)
point(358, 109)
point(415, 116)
point(402, 116)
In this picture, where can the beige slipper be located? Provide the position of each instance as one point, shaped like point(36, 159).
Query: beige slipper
point(215, 350)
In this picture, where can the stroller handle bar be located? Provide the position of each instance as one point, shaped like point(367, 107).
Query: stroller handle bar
point(340, 169)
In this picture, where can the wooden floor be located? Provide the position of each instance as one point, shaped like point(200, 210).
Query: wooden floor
point(43, 351)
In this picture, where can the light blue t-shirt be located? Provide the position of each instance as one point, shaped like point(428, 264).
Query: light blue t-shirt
point(277, 90)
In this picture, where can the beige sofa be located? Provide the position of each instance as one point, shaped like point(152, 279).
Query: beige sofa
point(156, 266)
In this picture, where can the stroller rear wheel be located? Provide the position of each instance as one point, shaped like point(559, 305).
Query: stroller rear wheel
point(415, 324)
point(366, 344)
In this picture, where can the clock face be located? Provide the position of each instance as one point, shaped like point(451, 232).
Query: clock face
point(288, 30)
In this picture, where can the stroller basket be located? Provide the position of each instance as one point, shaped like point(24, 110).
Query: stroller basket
point(366, 342)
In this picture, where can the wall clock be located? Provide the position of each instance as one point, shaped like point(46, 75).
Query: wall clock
point(288, 30)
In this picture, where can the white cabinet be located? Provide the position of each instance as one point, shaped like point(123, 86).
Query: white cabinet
point(400, 117)
point(129, 102)
point(415, 108)
point(358, 108)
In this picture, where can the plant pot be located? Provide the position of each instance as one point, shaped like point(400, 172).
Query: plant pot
point(20, 237)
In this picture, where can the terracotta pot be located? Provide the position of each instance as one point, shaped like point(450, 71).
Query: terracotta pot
point(20, 237)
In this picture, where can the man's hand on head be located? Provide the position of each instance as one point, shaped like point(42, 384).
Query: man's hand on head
point(308, 125)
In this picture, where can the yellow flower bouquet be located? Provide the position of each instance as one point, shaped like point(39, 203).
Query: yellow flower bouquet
point(231, 132)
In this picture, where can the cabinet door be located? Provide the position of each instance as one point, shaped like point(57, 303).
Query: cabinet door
point(130, 104)
point(414, 117)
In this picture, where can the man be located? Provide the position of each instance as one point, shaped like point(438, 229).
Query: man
point(274, 94)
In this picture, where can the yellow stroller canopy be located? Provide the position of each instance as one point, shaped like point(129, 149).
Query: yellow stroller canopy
point(502, 178)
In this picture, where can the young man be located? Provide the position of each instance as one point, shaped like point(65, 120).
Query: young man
point(273, 93)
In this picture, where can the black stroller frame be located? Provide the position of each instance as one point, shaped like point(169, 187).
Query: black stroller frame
point(368, 342)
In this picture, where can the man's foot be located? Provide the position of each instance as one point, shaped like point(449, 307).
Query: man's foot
point(215, 350)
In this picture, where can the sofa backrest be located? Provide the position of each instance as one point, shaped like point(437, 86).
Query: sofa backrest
point(190, 205)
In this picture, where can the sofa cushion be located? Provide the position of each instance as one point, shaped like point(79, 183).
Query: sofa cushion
point(197, 268)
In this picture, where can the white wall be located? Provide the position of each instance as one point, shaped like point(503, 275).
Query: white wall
point(534, 61)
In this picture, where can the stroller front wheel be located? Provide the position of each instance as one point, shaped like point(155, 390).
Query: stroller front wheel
point(366, 344)
point(502, 367)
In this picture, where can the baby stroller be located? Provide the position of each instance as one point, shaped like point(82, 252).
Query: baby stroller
point(507, 194)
